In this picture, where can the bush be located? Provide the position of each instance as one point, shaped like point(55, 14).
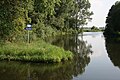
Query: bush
point(37, 51)
point(43, 31)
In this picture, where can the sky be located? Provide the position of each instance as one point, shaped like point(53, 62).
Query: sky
point(100, 9)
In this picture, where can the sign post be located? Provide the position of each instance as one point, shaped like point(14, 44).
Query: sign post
point(28, 37)
point(28, 28)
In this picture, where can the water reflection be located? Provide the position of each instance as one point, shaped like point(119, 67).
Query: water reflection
point(61, 71)
point(113, 50)
point(72, 43)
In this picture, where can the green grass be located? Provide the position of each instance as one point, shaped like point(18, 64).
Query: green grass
point(37, 51)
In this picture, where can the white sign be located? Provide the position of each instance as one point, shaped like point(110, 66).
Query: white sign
point(29, 25)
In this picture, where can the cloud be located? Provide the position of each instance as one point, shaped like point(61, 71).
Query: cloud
point(97, 2)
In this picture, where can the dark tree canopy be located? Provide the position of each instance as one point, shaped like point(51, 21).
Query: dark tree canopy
point(113, 20)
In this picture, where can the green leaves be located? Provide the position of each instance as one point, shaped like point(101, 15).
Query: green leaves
point(112, 21)
point(46, 6)
point(56, 14)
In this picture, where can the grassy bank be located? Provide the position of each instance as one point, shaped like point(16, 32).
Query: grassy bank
point(37, 51)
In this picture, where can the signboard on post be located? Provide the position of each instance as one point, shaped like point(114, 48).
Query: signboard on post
point(28, 28)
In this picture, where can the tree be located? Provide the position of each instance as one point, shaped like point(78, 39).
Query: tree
point(82, 12)
point(63, 12)
point(46, 16)
point(14, 17)
point(112, 21)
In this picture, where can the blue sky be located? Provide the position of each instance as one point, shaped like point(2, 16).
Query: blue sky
point(100, 9)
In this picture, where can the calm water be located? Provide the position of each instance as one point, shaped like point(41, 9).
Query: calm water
point(96, 58)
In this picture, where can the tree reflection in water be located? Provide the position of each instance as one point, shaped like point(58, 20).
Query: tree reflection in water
point(59, 71)
point(113, 50)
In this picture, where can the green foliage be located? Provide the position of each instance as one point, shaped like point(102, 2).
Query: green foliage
point(42, 31)
point(83, 11)
point(14, 17)
point(37, 51)
point(95, 29)
point(112, 21)
point(59, 15)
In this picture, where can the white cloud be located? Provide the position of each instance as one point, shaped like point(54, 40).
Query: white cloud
point(96, 2)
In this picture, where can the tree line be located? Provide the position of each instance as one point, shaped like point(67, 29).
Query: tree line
point(47, 17)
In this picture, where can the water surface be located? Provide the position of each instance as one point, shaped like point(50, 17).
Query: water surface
point(96, 58)
point(105, 55)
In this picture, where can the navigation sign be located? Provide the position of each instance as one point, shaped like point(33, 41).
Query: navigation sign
point(29, 25)
point(28, 28)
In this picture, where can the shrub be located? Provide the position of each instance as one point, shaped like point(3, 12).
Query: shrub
point(37, 51)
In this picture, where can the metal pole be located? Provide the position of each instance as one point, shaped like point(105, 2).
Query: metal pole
point(28, 37)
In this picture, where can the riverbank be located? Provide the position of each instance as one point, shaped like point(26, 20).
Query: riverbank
point(36, 51)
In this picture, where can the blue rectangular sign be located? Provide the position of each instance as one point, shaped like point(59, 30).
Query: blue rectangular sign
point(28, 28)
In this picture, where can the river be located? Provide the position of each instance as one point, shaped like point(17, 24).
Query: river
point(96, 58)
